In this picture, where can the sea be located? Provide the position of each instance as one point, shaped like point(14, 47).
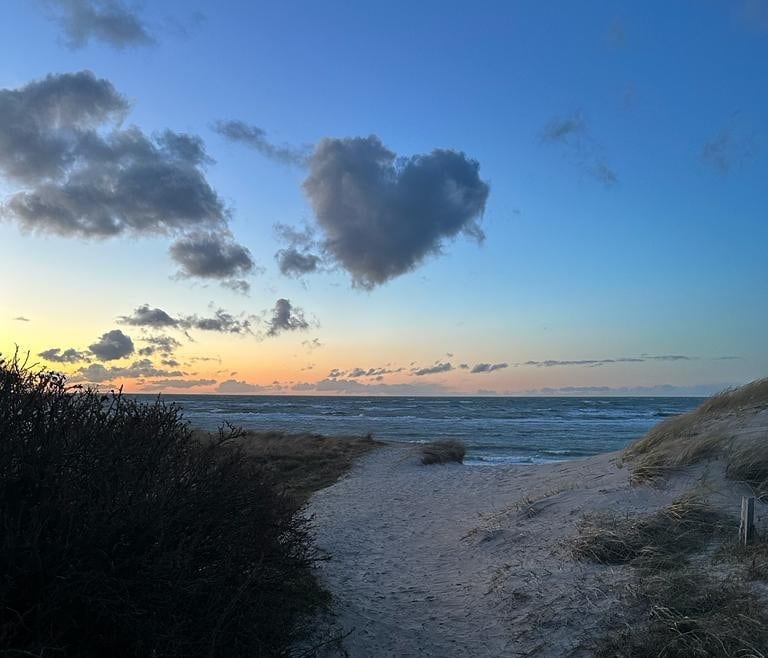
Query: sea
point(496, 430)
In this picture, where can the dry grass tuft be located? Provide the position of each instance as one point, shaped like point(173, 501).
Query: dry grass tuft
point(689, 613)
point(754, 394)
point(706, 433)
point(302, 463)
point(661, 540)
point(753, 557)
point(443, 452)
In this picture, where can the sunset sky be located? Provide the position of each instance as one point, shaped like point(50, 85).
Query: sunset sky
point(386, 198)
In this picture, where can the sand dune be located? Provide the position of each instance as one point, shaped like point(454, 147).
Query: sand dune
point(459, 560)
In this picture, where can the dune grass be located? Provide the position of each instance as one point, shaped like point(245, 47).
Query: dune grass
point(687, 612)
point(706, 433)
point(655, 541)
point(443, 452)
point(121, 535)
point(302, 463)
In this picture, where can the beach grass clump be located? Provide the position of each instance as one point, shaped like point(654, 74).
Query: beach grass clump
point(688, 612)
point(302, 463)
point(657, 541)
point(706, 433)
point(443, 452)
point(123, 536)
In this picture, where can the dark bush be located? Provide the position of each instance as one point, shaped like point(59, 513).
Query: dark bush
point(122, 536)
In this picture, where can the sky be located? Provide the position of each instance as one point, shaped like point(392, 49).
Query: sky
point(512, 198)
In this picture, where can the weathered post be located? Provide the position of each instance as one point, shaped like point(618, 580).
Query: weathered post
point(747, 524)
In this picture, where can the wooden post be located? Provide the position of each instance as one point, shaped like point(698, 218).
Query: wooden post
point(747, 525)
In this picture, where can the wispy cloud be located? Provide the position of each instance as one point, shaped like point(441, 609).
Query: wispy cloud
point(256, 139)
point(108, 21)
point(434, 369)
point(572, 135)
point(488, 367)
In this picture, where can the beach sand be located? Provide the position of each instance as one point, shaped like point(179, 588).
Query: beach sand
point(458, 560)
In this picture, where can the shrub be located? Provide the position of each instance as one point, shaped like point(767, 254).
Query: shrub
point(443, 452)
point(122, 536)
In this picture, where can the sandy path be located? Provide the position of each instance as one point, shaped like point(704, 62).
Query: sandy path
point(467, 560)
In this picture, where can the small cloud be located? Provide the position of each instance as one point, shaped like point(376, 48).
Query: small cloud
point(256, 139)
point(564, 129)
point(221, 321)
point(234, 387)
point(71, 355)
point(112, 345)
point(728, 149)
point(144, 316)
point(108, 21)
point(432, 370)
point(313, 344)
point(210, 255)
point(97, 373)
point(286, 317)
point(573, 136)
point(21, 318)
point(488, 367)
point(161, 384)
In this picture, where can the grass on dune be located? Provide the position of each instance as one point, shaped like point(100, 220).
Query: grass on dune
point(302, 463)
point(656, 541)
point(443, 452)
point(706, 433)
point(688, 612)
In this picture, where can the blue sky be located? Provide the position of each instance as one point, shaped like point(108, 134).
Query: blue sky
point(640, 230)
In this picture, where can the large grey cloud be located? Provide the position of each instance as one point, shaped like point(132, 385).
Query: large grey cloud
point(286, 317)
point(57, 355)
point(255, 138)
point(382, 215)
point(81, 174)
point(109, 21)
point(112, 345)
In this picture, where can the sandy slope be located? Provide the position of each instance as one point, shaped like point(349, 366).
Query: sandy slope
point(472, 560)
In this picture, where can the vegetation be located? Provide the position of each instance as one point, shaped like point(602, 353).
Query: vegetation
point(689, 613)
point(120, 535)
point(301, 463)
point(443, 452)
point(706, 433)
point(693, 589)
point(659, 541)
